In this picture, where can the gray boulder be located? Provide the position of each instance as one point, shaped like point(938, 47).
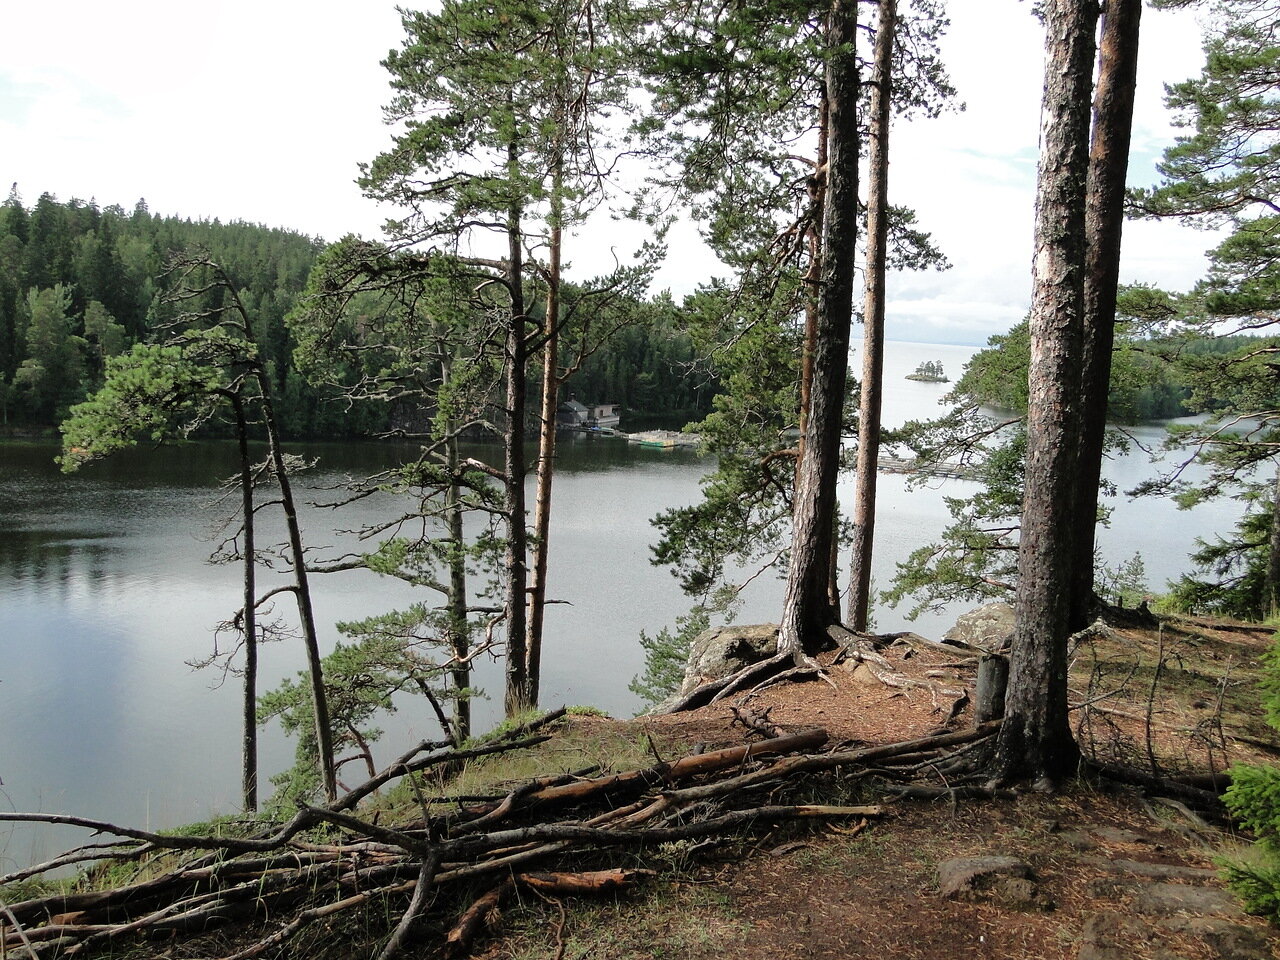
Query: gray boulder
point(722, 651)
point(986, 627)
point(989, 877)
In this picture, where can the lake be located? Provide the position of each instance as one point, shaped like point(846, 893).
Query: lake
point(106, 594)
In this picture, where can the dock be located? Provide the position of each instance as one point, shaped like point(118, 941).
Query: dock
point(663, 439)
point(948, 471)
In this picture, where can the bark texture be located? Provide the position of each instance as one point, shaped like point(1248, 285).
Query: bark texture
point(1104, 220)
point(1035, 741)
point(864, 502)
point(807, 607)
point(546, 440)
point(515, 561)
point(249, 617)
point(1271, 586)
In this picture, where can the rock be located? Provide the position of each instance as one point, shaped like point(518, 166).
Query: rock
point(986, 627)
point(1119, 835)
point(1163, 899)
point(1109, 927)
point(1103, 934)
point(1236, 942)
point(969, 875)
point(861, 673)
point(1159, 871)
point(722, 651)
point(1229, 941)
point(1095, 951)
point(1078, 840)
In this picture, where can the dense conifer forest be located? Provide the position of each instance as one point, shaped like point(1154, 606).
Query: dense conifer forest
point(80, 283)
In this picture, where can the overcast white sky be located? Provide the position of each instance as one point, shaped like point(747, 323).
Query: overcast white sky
point(261, 111)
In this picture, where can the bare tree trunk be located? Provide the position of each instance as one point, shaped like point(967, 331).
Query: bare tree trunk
point(813, 277)
point(459, 637)
point(546, 439)
point(297, 556)
point(864, 503)
point(249, 615)
point(515, 562)
point(1271, 585)
point(1035, 741)
point(1104, 220)
point(807, 608)
point(301, 591)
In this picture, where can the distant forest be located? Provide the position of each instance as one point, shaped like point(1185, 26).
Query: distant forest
point(1150, 375)
point(80, 283)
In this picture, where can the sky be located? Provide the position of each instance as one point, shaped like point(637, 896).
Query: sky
point(262, 111)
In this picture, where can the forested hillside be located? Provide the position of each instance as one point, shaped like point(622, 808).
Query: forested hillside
point(80, 283)
point(1152, 377)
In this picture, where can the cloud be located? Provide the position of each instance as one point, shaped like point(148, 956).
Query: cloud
point(262, 111)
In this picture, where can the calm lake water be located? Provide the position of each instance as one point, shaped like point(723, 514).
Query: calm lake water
point(105, 594)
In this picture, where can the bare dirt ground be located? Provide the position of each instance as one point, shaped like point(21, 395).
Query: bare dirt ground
point(1110, 874)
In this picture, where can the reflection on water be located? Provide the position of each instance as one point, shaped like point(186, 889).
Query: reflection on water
point(106, 594)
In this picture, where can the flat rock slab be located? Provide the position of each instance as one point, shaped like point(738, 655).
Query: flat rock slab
point(1165, 899)
point(1121, 835)
point(1229, 941)
point(1102, 935)
point(966, 875)
point(1158, 871)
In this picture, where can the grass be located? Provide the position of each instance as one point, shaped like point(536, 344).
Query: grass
point(667, 921)
point(573, 748)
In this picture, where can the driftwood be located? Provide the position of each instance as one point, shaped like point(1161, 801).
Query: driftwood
point(290, 877)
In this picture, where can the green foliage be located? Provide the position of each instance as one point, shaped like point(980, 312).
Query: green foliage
point(361, 681)
point(1223, 170)
point(666, 655)
point(649, 367)
point(976, 557)
point(1124, 584)
point(1257, 884)
point(1144, 384)
point(78, 284)
point(52, 375)
point(742, 522)
point(1254, 800)
point(1229, 577)
point(153, 392)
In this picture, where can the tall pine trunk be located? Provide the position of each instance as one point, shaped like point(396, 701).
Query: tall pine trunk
point(458, 634)
point(546, 438)
point(813, 276)
point(518, 696)
point(807, 607)
point(249, 616)
point(1035, 741)
point(864, 503)
point(1271, 583)
point(301, 588)
point(1104, 220)
point(301, 591)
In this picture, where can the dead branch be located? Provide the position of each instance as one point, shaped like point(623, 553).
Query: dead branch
point(293, 877)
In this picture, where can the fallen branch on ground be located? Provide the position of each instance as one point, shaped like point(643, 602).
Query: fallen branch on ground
point(331, 861)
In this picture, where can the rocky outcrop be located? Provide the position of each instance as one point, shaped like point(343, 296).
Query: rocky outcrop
point(722, 651)
point(987, 627)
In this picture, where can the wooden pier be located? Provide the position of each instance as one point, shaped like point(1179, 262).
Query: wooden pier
point(947, 471)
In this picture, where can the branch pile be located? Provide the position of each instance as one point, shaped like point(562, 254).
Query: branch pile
point(330, 861)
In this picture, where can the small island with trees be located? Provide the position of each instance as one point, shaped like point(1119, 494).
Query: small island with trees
point(930, 371)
